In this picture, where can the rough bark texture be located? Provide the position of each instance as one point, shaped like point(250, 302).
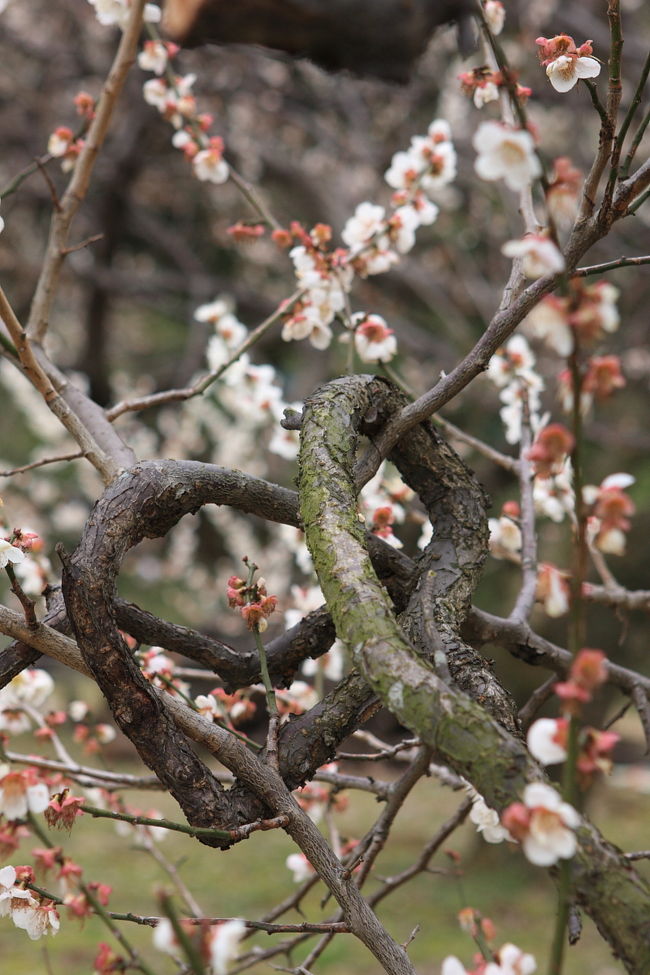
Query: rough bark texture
point(458, 729)
point(369, 37)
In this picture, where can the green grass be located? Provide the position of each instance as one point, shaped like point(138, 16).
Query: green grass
point(249, 879)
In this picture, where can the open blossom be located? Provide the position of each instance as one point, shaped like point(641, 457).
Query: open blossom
point(511, 961)
point(548, 321)
point(539, 255)
point(155, 55)
point(565, 63)
point(505, 534)
point(209, 164)
point(544, 825)
point(487, 821)
point(36, 918)
point(21, 792)
point(611, 509)
point(547, 740)
point(505, 153)
point(553, 496)
point(373, 339)
point(368, 221)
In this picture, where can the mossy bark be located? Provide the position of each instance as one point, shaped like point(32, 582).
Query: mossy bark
point(460, 730)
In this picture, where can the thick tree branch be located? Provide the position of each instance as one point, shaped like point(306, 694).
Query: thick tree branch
point(456, 728)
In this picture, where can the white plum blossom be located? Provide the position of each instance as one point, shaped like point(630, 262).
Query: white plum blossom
point(505, 153)
point(487, 821)
point(209, 164)
point(331, 664)
point(374, 341)
point(300, 867)
point(543, 743)
point(548, 322)
point(512, 961)
point(35, 918)
point(553, 496)
point(20, 793)
point(224, 945)
point(550, 835)
point(153, 57)
point(538, 254)
point(110, 12)
point(495, 15)
point(552, 590)
point(9, 553)
point(7, 881)
point(565, 71)
point(511, 369)
point(305, 599)
point(452, 966)
point(164, 938)
point(31, 686)
point(505, 537)
point(368, 221)
point(483, 94)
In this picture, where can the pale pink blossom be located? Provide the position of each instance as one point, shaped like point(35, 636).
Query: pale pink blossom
point(538, 254)
point(505, 153)
point(546, 740)
point(59, 142)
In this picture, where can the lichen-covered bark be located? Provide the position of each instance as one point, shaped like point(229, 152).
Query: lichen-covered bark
point(450, 566)
point(459, 729)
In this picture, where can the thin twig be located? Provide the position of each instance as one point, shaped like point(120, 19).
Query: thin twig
point(583, 272)
point(75, 455)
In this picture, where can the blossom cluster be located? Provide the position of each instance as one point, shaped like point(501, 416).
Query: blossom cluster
point(252, 600)
point(35, 915)
point(585, 315)
point(483, 85)
point(512, 371)
point(375, 241)
point(508, 960)
point(565, 63)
